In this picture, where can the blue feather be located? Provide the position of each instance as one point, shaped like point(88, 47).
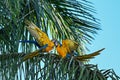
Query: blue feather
point(34, 42)
point(68, 56)
point(43, 47)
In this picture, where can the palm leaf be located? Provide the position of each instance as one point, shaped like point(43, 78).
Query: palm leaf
point(50, 66)
point(60, 19)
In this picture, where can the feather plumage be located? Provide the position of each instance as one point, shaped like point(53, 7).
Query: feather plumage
point(40, 36)
point(67, 47)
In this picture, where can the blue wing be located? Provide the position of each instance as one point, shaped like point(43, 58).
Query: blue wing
point(34, 42)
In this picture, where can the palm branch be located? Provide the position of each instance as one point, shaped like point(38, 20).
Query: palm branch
point(50, 67)
point(60, 19)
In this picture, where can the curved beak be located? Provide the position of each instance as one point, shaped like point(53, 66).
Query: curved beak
point(55, 42)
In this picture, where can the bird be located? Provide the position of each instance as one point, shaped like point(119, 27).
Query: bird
point(69, 46)
point(42, 41)
point(41, 37)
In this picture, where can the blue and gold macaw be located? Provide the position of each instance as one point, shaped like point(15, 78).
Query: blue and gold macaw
point(69, 46)
point(40, 36)
point(42, 40)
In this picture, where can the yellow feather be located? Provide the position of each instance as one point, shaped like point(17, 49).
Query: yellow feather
point(31, 55)
point(62, 51)
point(67, 47)
point(70, 45)
point(40, 36)
point(89, 56)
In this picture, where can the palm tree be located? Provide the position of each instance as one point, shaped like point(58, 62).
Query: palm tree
point(60, 19)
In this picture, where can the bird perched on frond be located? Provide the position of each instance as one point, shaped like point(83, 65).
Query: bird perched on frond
point(69, 46)
point(42, 40)
point(40, 36)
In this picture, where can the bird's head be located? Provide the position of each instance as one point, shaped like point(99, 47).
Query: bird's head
point(56, 43)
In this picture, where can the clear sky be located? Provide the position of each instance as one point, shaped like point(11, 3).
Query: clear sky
point(108, 11)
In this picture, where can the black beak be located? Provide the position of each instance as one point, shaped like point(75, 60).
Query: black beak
point(55, 42)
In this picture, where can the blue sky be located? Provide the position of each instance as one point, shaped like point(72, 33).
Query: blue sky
point(109, 37)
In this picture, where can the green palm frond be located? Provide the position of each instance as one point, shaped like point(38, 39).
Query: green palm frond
point(50, 66)
point(59, 19)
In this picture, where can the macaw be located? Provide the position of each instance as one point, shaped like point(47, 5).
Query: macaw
point(40, 36)
point(42, 40)
point(68, 46)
